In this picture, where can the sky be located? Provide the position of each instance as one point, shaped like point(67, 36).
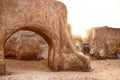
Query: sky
point(84, 14)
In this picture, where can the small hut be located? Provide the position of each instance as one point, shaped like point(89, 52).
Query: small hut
point(104, 41)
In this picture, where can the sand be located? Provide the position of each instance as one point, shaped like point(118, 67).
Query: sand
point(38, 70)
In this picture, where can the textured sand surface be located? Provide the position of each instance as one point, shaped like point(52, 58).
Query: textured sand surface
point(38, 70)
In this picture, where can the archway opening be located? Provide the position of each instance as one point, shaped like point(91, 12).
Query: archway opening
point(27, 50)
point(26, 45)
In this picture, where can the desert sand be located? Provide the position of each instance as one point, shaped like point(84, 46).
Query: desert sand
point(38, 70)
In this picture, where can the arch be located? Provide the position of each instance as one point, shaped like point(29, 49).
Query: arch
point(41, 32)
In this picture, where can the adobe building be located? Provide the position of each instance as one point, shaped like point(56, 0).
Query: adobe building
point(104, 41)
point(47, 18)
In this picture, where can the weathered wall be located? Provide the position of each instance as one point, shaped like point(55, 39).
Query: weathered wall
point(78, 42)
point(47, 18)
point(99, 37)
point(26, 45)
point(112, 47)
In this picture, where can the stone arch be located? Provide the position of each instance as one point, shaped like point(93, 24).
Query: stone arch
point(46, 36)
point(45, 17)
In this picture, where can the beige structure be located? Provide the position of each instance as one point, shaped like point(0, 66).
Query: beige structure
point(103, 41)
point(47, 18)
point(78, 42)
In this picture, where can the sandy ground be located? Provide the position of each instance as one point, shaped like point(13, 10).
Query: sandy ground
point(38, 70)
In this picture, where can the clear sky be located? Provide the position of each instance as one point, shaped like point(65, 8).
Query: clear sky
point(83, 14)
